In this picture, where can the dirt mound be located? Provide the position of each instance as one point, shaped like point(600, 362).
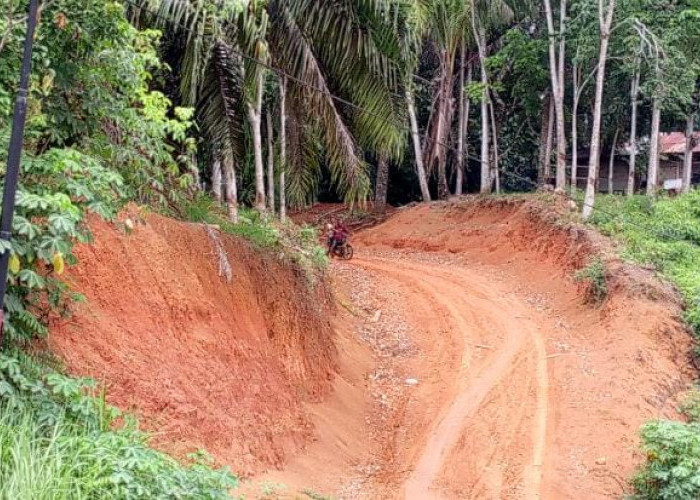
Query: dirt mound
point(542, 394)
point(204, 363)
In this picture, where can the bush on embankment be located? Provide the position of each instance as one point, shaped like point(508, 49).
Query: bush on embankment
point(664, 234)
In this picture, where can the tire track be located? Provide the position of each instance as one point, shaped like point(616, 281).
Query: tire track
point(475, 307)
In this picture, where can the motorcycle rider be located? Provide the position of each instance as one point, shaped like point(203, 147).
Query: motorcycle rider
point(338, 236)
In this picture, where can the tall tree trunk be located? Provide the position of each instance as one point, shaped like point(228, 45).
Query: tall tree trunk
point(486, 181)
point(231, 188)
point(653, 169)
point(254, 116)
point(216, 179)
point(545, 139)
point(495, 173)
point(437, 134)
point(548, 145)
point(283, 149)
point(634, 95)
point(464, 105)
point(556, 70)
point(382, 184)
point(688, 156)
point(611, 164)
point(417, 150)
point(270, 165)
point(574, 147)
point(605, 20)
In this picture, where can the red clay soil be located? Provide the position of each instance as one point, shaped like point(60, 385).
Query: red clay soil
point(205, 364)
point(463, 362)
point(525, 390)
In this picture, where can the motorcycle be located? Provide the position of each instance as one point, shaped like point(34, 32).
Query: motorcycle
point(343, 251)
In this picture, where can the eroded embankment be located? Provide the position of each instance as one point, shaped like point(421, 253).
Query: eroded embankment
point(574, 382)
point(204, 363)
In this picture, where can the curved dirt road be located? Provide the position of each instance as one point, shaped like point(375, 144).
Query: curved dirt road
point(496, 349)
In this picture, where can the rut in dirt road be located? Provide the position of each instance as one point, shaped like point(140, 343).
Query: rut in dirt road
point(478, 314)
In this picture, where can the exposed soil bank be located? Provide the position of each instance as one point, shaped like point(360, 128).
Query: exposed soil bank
point(547, 392)
point(204, 363)
point(462, 360)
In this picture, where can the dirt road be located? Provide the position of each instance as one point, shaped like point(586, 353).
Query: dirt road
point(495, 346)
point(488, 375)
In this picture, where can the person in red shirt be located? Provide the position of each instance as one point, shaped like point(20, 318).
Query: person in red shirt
point(340, 234)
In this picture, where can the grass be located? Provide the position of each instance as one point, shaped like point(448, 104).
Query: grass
point(58, 441)
point(663, 233)
point(595, 274)
point(298, 243)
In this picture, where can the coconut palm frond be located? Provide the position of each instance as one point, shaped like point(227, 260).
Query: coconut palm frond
point(293, 52)
point(219, 112)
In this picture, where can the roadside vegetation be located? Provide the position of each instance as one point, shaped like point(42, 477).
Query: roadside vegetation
point(226, 112)
point(664, 233)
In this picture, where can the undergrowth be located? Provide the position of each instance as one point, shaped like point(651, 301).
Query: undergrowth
point(672, 469)
point(665, 234)
point(297, 243)
point(60, 440)
point(595, 275)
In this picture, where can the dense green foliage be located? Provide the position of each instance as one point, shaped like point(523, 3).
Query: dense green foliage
point(665, 234)
point(59, 441)
point(97, 136)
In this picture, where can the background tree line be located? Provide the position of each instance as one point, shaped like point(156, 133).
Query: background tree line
point(298, 99)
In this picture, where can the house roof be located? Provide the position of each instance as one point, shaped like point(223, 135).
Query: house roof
point(673, 143)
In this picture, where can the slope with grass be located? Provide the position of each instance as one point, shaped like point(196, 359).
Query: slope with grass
point(664, 235)
point(206, 362)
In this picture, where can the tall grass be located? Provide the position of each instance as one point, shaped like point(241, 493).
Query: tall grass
point(299, 244)
point(57, 442)
point(664, 233)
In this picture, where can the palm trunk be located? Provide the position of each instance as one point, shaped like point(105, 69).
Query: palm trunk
point(254, 116)
point(437, 134)
point(574, 147)
point(460, 126)
point(594, 163)
point(611, 164)
point(548, 145)
point(653, 169)
point(417, 150)
point(382, 184)
point(216, 179)
point(283, 149)
point(633, 132)
point(270, 165)
point(486, 181)
point(231, 188)
point(688, 157)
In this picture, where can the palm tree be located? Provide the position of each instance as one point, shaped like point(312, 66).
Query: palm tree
point(343, 48)
point(450, 27)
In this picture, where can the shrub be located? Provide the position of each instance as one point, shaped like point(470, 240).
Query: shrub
point(672, 470)
point(595, 275)
point(58, 441)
